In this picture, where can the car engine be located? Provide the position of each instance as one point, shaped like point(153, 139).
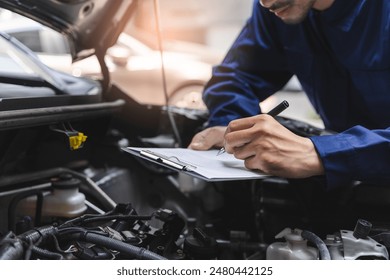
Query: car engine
point(68, 191)
point(99, 203)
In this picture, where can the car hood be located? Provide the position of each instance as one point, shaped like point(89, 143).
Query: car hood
point(91, 26)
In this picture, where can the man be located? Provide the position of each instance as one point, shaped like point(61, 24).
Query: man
point(340, 52)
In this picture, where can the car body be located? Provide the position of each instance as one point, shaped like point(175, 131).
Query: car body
point(68, 191)
point(133, 66)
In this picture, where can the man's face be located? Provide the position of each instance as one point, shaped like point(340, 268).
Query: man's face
point(290, 11)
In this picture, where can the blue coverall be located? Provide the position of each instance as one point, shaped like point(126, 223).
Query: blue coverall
point(341, 57)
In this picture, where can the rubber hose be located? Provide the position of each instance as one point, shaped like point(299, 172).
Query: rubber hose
point(35, 235)
point(47, 254)
point(320, 244)
point(129, 249)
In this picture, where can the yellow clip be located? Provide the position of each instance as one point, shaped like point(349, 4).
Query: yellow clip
point(77, 141)
point(76, 138)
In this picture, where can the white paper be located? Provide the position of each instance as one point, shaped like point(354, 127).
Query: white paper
point(206, 164)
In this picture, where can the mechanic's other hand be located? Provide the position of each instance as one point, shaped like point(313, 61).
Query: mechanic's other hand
point(211, 137)
point(266, 145)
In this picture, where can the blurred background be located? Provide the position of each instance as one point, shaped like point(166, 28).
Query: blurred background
point(213, 23)
point(195, 36)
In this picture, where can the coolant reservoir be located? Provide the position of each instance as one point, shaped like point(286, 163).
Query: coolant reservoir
point(64, 200)
point(295, 247)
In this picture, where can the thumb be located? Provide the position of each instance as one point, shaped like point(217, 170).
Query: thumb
point(208, 138)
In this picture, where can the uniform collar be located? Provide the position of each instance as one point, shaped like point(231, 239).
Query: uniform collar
point(342, 13)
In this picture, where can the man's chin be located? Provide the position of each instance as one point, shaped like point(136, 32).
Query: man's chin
point(292, 21)
point(288, 19)
point(293, 14)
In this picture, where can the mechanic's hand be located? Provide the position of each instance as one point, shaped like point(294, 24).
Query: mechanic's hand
point(264, 144)
point(211, 137)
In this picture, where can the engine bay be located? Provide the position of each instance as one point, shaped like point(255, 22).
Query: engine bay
point(99, 203)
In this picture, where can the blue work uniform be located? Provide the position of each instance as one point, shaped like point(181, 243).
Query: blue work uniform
point(341, 56)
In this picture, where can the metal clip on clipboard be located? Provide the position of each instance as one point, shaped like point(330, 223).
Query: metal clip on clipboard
point(168, 161)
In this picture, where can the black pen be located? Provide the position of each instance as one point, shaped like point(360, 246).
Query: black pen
point(274, 112)
point(168, 161)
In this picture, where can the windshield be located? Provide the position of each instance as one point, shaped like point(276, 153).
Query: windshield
point(18, 61)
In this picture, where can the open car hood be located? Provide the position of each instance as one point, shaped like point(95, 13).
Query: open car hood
point(92, 26)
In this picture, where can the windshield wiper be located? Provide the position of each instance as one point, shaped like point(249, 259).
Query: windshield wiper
point(43, 77)
point(29, 81)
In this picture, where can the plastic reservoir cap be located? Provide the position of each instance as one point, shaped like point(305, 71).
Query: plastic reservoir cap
point(362, 229)
point(295, 247)
point(66, 182)
point(289, 234)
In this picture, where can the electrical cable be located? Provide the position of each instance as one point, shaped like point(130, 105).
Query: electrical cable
point(164, 80)
point(116, 217)
point(110, 243)
point(134, 251)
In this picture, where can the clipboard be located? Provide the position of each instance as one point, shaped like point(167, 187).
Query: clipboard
point(205, 165)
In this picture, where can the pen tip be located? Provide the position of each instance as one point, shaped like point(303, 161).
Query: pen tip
point(221, 151)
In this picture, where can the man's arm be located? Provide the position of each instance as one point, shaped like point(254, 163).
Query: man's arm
point(254, 68)
point(357, 154)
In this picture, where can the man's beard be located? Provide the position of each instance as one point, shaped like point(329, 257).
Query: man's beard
point(295, 13)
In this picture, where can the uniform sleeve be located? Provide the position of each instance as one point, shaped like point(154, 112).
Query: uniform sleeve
point(253, 69)
point(357, 154)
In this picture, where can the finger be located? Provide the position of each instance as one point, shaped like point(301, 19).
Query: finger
point(208, 138)
point(244, 152)
point(253, 163)
point(237, 139)
point(197, 143)
point(249, 122)
point(235, 125)
point(241, 124)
